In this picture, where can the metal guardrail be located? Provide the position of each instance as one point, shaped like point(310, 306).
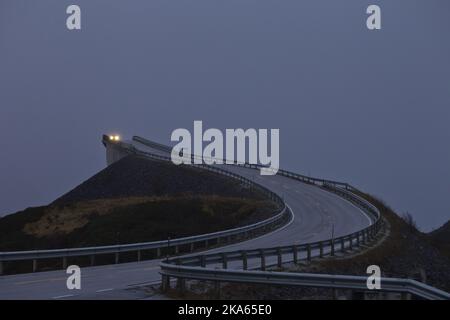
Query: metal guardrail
point(285, 173)
point(300, 279)
point(195, 266)
point(265, 225)
point(321, 248)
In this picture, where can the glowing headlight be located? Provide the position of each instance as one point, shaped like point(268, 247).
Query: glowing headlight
point(114, 138)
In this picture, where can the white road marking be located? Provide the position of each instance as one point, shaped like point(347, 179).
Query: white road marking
point(64, 296)
point(261, 236)
point(104, 290)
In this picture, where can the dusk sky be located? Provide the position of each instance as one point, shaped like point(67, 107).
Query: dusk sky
point(368, 107)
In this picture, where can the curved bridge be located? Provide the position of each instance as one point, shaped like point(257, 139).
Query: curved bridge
point(318, 212)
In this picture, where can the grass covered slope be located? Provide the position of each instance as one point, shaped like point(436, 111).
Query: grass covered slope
point(135, 200)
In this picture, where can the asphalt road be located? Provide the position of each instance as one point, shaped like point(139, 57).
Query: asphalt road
point(315, 212)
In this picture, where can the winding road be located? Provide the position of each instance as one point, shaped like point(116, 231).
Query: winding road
point(316, 213)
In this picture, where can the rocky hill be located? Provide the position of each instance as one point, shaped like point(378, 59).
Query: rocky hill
point(135, 176)
point(136, 200)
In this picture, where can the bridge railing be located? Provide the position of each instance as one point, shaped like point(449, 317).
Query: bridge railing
point(282, 215)
point(216, 266)
point(286, 173)
point(308, 250)
point(354, 283)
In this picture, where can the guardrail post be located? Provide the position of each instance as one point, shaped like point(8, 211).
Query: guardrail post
point(405, 296)
point(165, 283)
point(206, 244)
point(244, 260)
point(351, 242)
point(217, 289)
point(181, 285)
point(158, 252)
point(280, 258)
point(332, 247)
point(342, 245)
point(177, 249)
point(224, 261)
point(92, 260)
point(308, 252)
point(64, 262)
point(139, 255)
point(191, 247)
point(357, 239)
point(116, 258)
point(34, 265)
point(202, 261)
point(263, 260)
point(295, 254)
point(1, 268)
point(218, 241)
point(321, 249)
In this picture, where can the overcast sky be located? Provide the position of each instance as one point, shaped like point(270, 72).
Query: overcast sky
point(368, 107)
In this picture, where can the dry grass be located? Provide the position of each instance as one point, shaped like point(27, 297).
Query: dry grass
point(65, 219)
